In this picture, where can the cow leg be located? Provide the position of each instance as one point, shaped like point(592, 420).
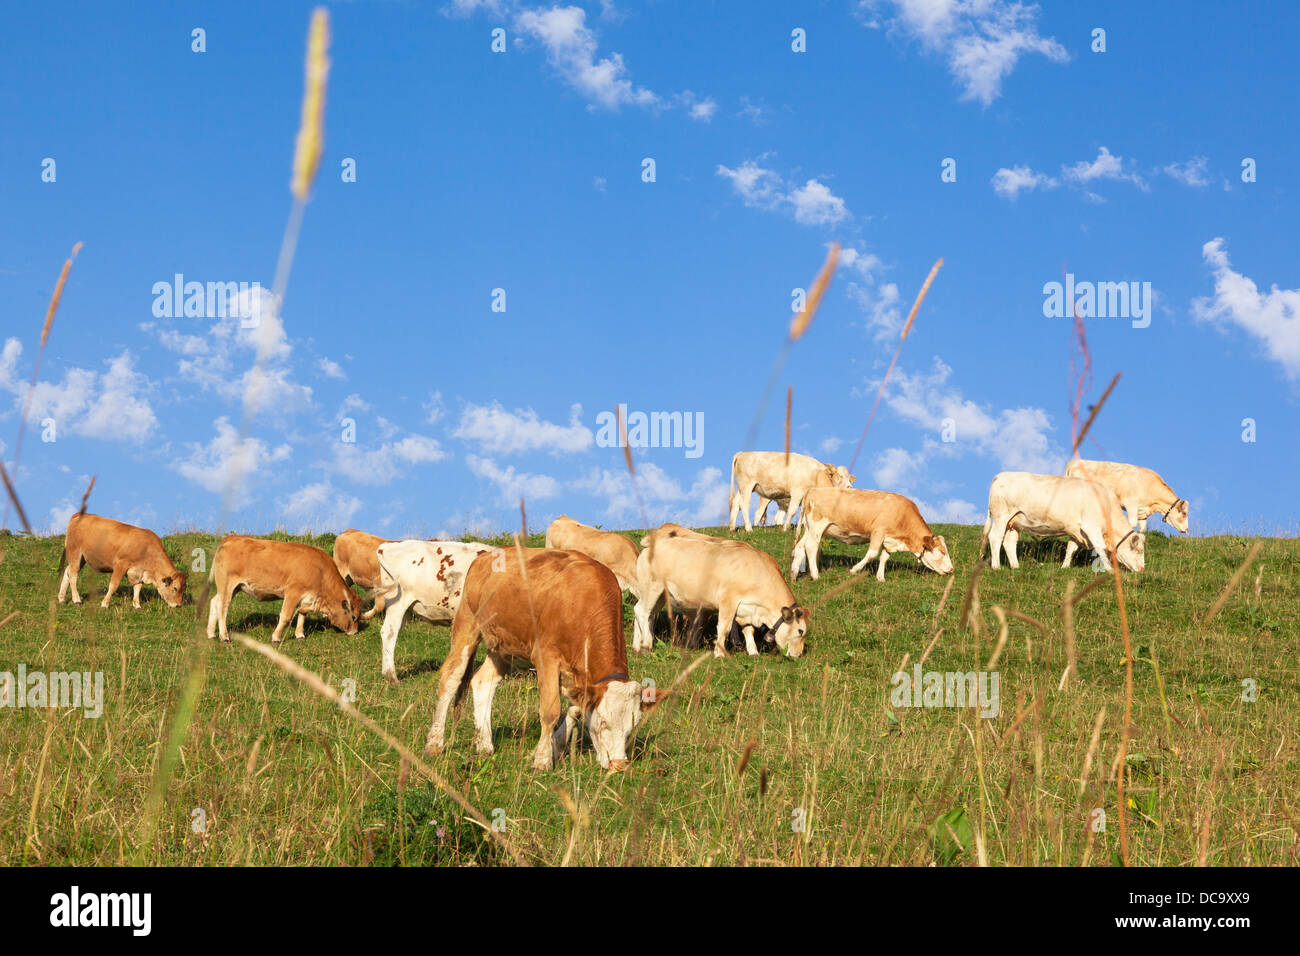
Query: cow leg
point(135, 595)
point(750, 647)
point(291, 602)
point(994, 529)
point(1142, 525)
point(1070, 548)
point(484, 684)
point(298, 632)
point(760, 515)
point(724, 629)
point(70, 578)
point(1009, 541)
point(392, 626)
point(113, 581)
point(214, 612)
point(796, 496)
point(880, 569)
point(740, 505)
point(812, 542)
point(782, 509)
point(1098, 542)
point(874, 545)
point(548, 683)
point(642, 637)
point(464, 642)
point(376, 608)
point(799, 556)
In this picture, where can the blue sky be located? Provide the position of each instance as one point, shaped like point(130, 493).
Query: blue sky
point(523, 171)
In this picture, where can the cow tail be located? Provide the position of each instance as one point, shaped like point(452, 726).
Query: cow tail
point(984, 539)
point(463, 686)
point(731, 495)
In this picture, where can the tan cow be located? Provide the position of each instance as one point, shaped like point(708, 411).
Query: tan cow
point(118, 549)
point(563, 611)
point(885, 522)
point(697, 572)
point(355, 557)
point(768, 474)
point(1048, 506)
point(1141, 492)
point(612, 550)
point(305, 577)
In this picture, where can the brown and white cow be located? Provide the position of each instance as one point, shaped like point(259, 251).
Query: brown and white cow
point(304, 576)
point(1048, 506)
point(1141, 492)
point(768, 474)
point(885, 522)
point(118, 549)
point(355, 557)
point(563, 611)
point(425, 577)
point(612, 550)
point(698, 572)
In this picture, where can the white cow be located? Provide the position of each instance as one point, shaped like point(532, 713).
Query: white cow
point(1048, 506)
point(768, 474)
point(1141, 492)
point(426, 577)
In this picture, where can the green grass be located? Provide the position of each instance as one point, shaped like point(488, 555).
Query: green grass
point(284, 777)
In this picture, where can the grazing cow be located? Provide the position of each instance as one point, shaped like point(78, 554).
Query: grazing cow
point(354, 556)
point(563, 611)
point(426, 577)
point(1048, 505)
point(699, 572)
point(1141, 492)
point(305, 577)
point(886, 522)
point(767, 473)
point(118, 549)
point(612, 550)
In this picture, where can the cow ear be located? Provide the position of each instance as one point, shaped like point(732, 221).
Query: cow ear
point(927, 542)
point(652, 697)
point(167, 580)
point(787, 614)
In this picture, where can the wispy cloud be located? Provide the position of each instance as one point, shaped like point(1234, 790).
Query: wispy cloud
point(1194, 172)
point(1010, 183)
point(981, 40)
point(1272, 318)
point(812, 204)
point(495, 429)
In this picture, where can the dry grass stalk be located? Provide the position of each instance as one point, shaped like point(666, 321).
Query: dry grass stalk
point(789, 406)
point(631, 468)
point(1128, 703)
point(322, 689)
point(311, 129)
point(1071, 658)
point(1232, 584)
point(1003, 633)
point(1093, 414)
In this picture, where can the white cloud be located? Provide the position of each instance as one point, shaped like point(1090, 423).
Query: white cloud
point(982, 40)
point(756, 113)
point(812, 204)
point(703, 503)
point(318, 507)
point(600, 183)
point(435, 408)
point(830, 446)
point(951, 511)
point(381, 464)
point(1106, 166)
point(879, 301)
point(700, 110)
point(1194, 172)
point(1009, 183)
point(213, 466)
point(110, 405)
point(571, 49)
point(511, 484)
point(495, 429)
point(330, 368)
point(1272, 318)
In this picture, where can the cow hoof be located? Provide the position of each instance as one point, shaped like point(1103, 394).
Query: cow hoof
point(432, 749)
point(225, 640)
point(541, 765)
point(719, 652)
point(391, 678)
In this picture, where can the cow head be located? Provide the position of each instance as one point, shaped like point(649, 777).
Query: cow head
point(1132, 551)
point(842, 477)
point(611, 722)
point(1177, 515)
point(172, 588)
point(345, 613)
point(934, 554)
point(791, 630)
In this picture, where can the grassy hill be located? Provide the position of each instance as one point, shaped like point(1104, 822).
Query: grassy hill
point(268, 772)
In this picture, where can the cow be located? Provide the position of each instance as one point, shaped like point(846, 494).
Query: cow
point(769, 474)
point(305, 577)
point(118, 549)
point(884, 521)
point(1141, 492)
point(563, 611)
point(698, 572)
point(354, 556)
point(1049, 505)
point(426, 577)
point(612, 550)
